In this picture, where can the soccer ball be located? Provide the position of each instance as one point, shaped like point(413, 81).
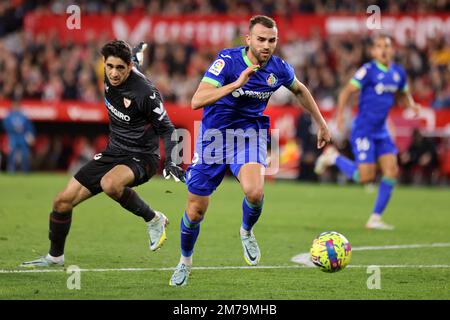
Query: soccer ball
point(331, 251)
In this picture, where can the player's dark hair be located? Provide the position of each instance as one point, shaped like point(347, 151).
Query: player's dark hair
point(117, 48)
point(264, 20)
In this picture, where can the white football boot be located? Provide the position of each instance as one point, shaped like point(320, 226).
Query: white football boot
point(326, 159)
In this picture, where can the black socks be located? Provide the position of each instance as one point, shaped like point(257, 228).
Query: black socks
point(131, 201)
point(59, 227)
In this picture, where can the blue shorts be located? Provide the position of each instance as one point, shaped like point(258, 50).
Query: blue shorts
point(203, 177)
point(368, 148)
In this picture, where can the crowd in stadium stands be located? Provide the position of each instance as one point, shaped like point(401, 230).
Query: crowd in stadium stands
point(244, 7)
point(41, 67)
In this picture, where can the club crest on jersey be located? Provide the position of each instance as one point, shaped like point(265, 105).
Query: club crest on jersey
point(272, 80)
point(217, 67)
point(126, 102)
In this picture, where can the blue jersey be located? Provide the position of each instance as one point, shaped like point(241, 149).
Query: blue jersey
point(242, 112)
point(378, 86)
point(17, 126)
point(244, 107)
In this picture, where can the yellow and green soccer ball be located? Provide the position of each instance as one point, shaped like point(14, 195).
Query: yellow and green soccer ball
point(331, 251)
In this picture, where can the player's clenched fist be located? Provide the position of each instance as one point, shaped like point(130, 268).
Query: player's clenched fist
point(246, 74)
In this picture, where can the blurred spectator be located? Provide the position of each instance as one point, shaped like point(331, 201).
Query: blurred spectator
point(307, 142)
point(21, 135)
point(420, 160)
point(83, 152)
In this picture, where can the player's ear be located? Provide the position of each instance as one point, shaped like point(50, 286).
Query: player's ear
point(247, 39)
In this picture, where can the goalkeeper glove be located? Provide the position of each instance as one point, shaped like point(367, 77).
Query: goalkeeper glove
point(137, 53)
point(174, 171)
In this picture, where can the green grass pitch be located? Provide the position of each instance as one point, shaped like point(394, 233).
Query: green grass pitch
point(105, 236)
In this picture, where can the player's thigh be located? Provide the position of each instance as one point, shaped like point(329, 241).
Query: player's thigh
point(367, 172)
point(116, 179)
point(73, 194)
point(388, 165)
point(251, 178)
point(196, 206)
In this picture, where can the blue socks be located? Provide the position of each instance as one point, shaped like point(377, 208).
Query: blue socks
point(384, 194)
point(251, 213)
point(189, 235)
point(190, 230)
point(348, 167)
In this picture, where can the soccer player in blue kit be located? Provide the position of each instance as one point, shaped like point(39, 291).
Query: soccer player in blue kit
point(234, 93)
point(380, 82)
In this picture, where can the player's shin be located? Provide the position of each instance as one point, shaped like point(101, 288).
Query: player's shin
point(384, 194)
point(131, 201)
point(59, 227)
point(347, 167)
point(250, 214)
point(189, 233)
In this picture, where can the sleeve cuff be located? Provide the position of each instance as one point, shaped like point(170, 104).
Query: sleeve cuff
point(292, 82)
point(211, 81)
point(356, 83)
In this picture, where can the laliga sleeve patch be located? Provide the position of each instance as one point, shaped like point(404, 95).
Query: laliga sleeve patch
point(360, 73)
point(217, 67)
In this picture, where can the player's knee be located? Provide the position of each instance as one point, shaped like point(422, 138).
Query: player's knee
point(367, 178)
point(254, 196)
point(110, 187)
point(195, 212)
point(391, 173)
point(62, 203)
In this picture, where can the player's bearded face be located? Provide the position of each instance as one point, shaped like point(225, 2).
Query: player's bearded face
point(262, 42)
point(116, 70)
point(383, 51)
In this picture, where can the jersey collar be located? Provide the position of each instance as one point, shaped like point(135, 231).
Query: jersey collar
point(244, 56)
point(247, 60)
point(381, 66)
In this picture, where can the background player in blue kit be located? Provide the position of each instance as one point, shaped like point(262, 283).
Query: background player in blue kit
point(21, 135)
point(380, 81)
point(234, 93)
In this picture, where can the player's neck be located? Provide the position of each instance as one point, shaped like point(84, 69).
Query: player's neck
point(382, 66)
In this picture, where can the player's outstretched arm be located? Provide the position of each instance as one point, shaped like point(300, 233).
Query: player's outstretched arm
point(307, 101)
point(207, 94)
point(406, 99)
point(161, 123)
point(343, 98)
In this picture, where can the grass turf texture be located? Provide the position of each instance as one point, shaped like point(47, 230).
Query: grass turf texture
point(104, 235)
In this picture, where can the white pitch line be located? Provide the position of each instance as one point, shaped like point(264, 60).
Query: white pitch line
point(152, 269)
point(302, 261)
point(402, 246)
point(424, 266)
point(304, 258)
